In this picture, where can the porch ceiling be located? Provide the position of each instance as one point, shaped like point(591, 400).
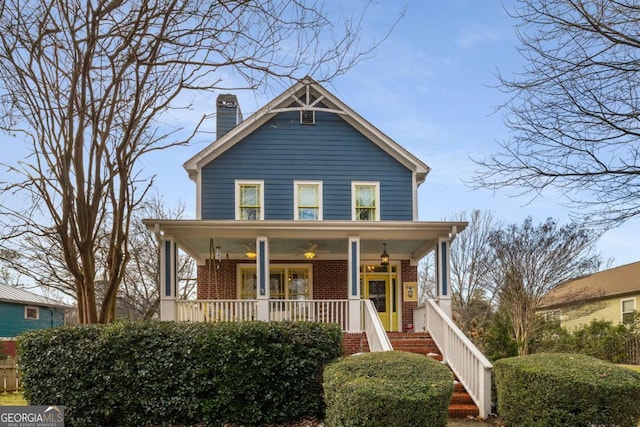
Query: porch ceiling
point(288, 239)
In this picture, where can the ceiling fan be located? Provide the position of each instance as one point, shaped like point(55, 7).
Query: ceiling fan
point(310, 251)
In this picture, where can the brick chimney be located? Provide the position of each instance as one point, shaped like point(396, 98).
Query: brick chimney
point(228, 113)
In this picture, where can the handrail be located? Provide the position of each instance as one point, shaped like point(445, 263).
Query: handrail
point(376, 336)
point(469, 365)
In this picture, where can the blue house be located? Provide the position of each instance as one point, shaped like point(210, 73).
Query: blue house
point(22, 311)
point(306, 211)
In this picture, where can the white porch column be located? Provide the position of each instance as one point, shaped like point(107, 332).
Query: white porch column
point(168, 279)
point(262, 276)
point(443, 276)
point(355, 302)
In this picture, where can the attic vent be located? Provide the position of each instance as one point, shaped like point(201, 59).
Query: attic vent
point(307, 117)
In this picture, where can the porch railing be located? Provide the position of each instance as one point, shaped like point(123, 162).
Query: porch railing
point(216, 310)
point(324, 311)
point(465, 360)
point(376, 336)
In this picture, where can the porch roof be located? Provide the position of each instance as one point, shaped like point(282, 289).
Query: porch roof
point(288, 239)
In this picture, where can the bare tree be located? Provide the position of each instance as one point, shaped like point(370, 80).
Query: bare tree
point(85, 84)
point(574, 108)
point(472, 268)
point(139, 295)
point(531, 260)
point(427, 287)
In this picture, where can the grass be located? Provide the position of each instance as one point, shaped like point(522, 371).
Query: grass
point(633, 367)
point(12, 399)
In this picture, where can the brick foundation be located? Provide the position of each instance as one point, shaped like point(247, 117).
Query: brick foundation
point(353, 343)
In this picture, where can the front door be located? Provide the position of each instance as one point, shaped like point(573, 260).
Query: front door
point(379, 291)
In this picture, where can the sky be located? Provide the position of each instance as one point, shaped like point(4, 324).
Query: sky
point(430, 86)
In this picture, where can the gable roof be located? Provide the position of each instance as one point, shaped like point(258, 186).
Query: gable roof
point(307, 95)
point(16, 295)
point(615, 281)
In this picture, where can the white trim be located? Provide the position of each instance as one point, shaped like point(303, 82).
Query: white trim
point(27, 308)
point(622, 312)
point(414, 195)
point(238, 183)
point(198, 181)
point(296, 184)
point(375, 184)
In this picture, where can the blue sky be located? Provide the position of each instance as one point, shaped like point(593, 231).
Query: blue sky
point(430, 87)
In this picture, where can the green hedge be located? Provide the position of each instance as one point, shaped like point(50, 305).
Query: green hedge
point(559, 389)
point(387, 389)
point(158, 373)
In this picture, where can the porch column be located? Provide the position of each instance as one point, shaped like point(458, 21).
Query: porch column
point(168, 278)
point(262, 276)
point(443, 276)
point(355, 302)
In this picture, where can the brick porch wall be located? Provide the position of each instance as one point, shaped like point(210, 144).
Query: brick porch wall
point(329, 281)
point(409, 274)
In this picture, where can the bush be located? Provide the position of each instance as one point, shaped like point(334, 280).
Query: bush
point(387, 389)
point(155, 373)
point(566, 390)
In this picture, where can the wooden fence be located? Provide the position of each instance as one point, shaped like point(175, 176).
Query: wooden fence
point(632, 350)
point(9, 380)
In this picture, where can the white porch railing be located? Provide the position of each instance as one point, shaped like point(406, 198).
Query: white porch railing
point(465, 360)
point(215, 310)
point(323, 311)
point(376, 336)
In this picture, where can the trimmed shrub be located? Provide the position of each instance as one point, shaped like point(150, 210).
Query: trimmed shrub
point(387, 389)
point(158, 373)
point(559, 389)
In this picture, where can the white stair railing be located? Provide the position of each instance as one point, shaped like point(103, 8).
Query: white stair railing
point(376, 336)
point(471, 367)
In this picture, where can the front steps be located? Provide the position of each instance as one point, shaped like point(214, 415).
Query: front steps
point(461, 405)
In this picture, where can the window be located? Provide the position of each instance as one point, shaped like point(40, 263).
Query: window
point(307, 117)
point(365, 201)
point(32, 313)
point(249, 200)
point(308, 200)
point(628, 310)
point(285, 282)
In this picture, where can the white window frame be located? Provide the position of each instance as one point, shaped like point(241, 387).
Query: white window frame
point(622, 312)
point(26, 310)
point(238, 184)
point(296, 186)
point(375, 184)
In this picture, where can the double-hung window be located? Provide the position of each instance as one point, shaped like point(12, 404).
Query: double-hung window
point(365, 201)
point(308, 200)
point(249, 200)
point(628, 310)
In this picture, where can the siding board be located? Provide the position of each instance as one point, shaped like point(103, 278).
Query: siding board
point(283, 150)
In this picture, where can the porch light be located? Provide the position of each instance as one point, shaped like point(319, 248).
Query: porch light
point(251, 255)
point(309, 254)
point(384, 257)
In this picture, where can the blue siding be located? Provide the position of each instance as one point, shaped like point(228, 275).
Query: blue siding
point(13, 323)
point(283, 150)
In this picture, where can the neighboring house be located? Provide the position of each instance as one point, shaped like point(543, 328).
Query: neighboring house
point(612, 295)
point(306, 211)
point(22, 311)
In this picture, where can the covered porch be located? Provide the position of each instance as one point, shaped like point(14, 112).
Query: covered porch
point(302, 270)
